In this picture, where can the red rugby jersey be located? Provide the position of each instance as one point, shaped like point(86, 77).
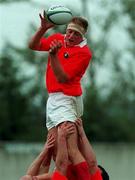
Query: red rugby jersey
point(97, 175)
point(74, 61)
point(81, 170)
point(58, 176)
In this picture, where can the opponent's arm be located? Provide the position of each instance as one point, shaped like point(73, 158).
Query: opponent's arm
point(86, 148)
point(45, 25)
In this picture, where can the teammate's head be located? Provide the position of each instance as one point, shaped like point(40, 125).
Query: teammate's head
point(104, 174)
point(76, 30)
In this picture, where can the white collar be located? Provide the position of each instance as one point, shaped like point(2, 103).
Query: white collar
point(83, 43)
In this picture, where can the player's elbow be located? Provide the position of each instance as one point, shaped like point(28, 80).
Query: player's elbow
point(62, 79)
point(92, 165)
point(30, 45)
point(62, 165)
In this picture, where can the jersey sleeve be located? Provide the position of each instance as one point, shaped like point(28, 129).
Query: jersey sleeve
point(77, 65)
point(58, 176)
point(44, 44)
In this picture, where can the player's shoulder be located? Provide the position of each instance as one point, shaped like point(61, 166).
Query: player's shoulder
point(86, 50)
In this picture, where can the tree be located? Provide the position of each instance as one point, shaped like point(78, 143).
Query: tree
point(20, 113)
point(110, 116)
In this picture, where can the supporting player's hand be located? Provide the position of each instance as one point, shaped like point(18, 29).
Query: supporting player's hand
point(50, 142)
point(79, 126)
point(66, 129)
point(45, 24)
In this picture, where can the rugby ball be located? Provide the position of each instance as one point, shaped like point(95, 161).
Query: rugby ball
point(59, 14)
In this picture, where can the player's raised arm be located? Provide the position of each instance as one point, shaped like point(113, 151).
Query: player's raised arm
point(44, 26)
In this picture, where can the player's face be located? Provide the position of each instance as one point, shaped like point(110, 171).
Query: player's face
point(73, 37)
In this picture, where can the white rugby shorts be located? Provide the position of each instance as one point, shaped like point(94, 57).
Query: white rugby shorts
point(61, 107)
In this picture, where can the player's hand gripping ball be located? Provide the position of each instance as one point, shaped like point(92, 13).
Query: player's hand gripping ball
point(58, 14)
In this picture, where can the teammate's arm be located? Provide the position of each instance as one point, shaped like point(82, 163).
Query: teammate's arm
point(42, 159)
point(86, 148)
point(62, 155)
